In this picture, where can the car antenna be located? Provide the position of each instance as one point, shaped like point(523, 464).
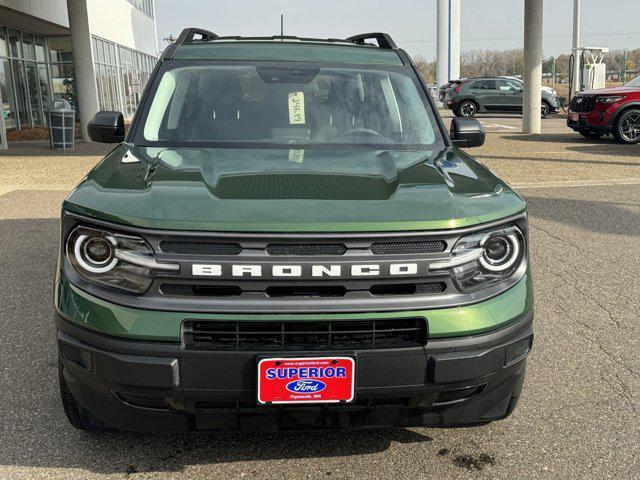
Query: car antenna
point(281, 27)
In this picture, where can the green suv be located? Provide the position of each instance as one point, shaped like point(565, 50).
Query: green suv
point(469, 96)
point(288, 237)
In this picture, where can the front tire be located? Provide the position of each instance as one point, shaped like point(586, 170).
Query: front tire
point(627, 127)
point(468, 108)
point(78, 416)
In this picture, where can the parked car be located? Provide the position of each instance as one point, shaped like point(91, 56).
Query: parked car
point(442, 92)
point(615, 111)
point(288, 237)
point(483, 95)
point(545, 88)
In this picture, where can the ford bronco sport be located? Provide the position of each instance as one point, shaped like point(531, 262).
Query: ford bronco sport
point(288, 237)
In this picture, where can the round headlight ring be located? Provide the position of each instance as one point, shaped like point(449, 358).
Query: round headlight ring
point(507, 260)
point(84, 259)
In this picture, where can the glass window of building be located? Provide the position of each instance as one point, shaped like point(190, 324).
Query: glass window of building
point(20, 85)
point(121, 75)
point(27, 63)
point(41, 52)
point(28, 50)
point(6, 91)
point(60, 49)
point(45, 89)
point(35, 97)
point(4, 49)
point(63, 82)
point(145, 6)
point(15, 47)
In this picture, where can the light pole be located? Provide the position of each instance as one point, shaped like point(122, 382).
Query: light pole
point(448, 46)
point(575, 81)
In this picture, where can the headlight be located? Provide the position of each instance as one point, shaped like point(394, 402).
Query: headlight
point(610, 99)
point(114, 260)
point(484, 259)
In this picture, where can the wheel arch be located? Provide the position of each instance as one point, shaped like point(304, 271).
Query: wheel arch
point(622, 109)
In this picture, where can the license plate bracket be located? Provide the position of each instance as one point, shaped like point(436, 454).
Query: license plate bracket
point(291, 380)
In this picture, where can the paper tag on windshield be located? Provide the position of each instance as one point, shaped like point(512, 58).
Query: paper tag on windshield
point(296, 108)
point(296, 156)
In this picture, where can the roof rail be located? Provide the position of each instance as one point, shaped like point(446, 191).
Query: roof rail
point(282, 38)
point(188, 35)
point(383, 39)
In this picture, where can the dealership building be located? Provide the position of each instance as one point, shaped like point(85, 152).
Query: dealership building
point(96, 54)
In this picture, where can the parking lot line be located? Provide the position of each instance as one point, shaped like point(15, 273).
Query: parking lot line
point(578, 183)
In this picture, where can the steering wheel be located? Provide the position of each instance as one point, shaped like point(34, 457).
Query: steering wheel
point(359, 131)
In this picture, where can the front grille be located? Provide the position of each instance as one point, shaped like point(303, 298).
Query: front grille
point(277, 336)
point(311, 290)
point(200, 248)
point(408, 248)
point(306, 249)
point(582, 104)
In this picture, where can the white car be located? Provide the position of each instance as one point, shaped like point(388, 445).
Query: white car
point(544, 87)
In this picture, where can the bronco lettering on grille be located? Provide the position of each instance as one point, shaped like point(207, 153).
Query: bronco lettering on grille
point(296, 271)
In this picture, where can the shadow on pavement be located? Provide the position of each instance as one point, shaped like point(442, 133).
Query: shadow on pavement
point(569, 137)
point(558, 160)
point(608, 148)
point(603, 217)
point(35, 432)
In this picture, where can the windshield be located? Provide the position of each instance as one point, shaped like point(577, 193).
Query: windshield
point(306, 105)
point(634, 83)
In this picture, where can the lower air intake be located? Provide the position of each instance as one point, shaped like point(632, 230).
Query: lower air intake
point(275, 336)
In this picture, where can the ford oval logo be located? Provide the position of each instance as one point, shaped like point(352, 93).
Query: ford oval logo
point(306, 386)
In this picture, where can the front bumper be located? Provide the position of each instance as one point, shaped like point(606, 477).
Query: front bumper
point(155, 386)
point(588, 122)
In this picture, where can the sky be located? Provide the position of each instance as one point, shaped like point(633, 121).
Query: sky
point(485, 24)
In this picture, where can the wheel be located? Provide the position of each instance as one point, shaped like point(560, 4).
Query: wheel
point(627, 127)
point(590, 134)
point(544, 109)
point(468, 108)
point(78, 416)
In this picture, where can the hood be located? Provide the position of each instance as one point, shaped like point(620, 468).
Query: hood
point(611, 91)
point(281, 190)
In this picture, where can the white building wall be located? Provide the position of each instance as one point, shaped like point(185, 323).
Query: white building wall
point(122, 23)
point(54, 11)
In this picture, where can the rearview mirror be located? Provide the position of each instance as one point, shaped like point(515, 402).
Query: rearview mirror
point(106, 127)
point(467, 132)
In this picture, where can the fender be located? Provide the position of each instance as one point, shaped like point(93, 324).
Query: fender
point(623, 108)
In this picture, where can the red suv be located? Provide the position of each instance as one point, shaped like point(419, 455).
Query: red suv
point(615, 111)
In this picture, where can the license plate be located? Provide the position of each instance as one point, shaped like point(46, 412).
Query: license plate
point(306, 380)
point(574, 117)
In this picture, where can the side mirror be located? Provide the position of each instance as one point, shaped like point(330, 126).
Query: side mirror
point(467, 132)
point(107, 127)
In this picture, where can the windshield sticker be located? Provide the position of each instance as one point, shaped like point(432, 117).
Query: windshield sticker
point(296, 156)
point(296, 108)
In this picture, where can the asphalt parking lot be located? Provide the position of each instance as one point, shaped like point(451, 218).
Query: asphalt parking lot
point(579, 416)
